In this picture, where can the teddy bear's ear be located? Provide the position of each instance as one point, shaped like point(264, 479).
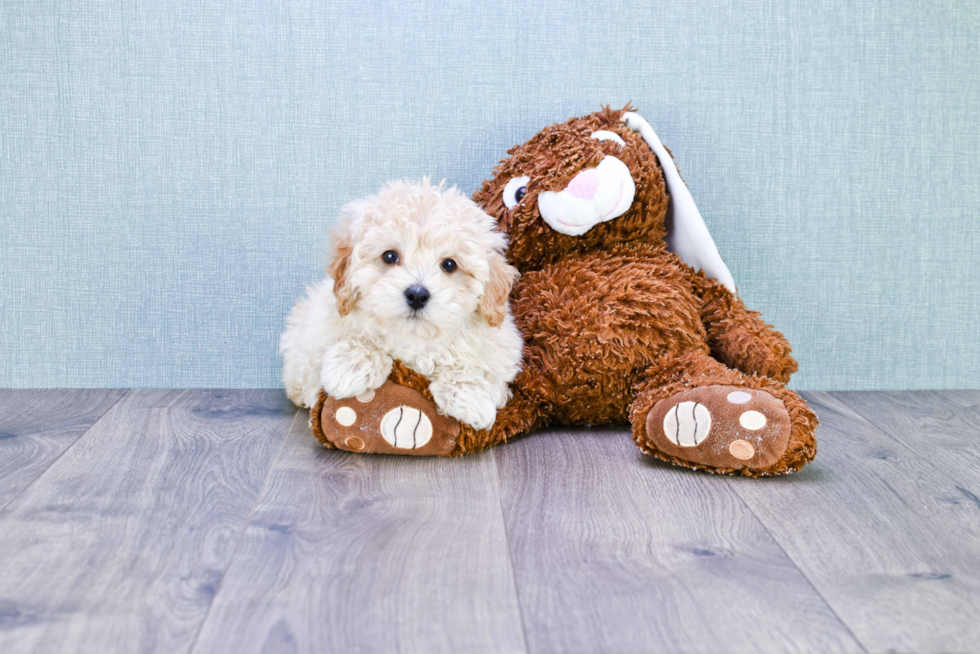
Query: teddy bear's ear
point(687, 234)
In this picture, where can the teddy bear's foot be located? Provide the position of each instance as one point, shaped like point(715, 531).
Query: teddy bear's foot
point(394, 419)
point(720, 428)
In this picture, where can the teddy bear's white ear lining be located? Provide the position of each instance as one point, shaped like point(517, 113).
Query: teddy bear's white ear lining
point(687, 234)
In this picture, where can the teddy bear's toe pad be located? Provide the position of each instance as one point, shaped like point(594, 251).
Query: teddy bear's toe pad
point(721, 427)
point(392, 419)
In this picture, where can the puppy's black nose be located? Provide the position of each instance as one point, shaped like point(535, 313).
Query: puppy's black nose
point(416, 296)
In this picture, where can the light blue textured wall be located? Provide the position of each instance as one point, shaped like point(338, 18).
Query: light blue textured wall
point(168, 170)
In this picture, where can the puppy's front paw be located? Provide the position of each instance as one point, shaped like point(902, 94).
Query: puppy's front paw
point(349, 371)
point(467, 402)
point(343, 383)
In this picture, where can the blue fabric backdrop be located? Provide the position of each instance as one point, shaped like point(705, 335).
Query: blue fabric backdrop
point(168, 170)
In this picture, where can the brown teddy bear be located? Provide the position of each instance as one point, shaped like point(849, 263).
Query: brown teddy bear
point(618, 326)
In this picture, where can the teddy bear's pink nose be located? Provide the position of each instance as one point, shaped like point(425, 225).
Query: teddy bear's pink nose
point(585, 184)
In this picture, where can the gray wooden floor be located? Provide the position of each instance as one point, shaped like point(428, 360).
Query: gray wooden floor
point(210, 521)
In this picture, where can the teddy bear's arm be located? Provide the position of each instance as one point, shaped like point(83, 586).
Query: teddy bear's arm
point(740, 339)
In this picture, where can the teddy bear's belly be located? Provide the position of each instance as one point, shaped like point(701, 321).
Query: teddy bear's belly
point(595, 327)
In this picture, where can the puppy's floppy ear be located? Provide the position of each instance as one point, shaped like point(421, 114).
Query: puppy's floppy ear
point(339, 271)
point(493, 304)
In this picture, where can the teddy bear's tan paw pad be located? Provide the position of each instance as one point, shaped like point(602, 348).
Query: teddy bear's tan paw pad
point(393, 419)
point(721, 427)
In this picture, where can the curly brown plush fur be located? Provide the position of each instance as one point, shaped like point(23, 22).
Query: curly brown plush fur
point(615, 325)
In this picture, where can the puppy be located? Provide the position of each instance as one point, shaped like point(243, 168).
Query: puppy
point(417, 274)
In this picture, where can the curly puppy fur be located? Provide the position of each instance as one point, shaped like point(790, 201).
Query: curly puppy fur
point(344, 335)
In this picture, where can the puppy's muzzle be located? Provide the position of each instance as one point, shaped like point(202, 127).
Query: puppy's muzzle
point(416, 296)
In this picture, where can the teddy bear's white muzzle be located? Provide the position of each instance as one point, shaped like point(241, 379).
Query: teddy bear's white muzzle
point(593, 196)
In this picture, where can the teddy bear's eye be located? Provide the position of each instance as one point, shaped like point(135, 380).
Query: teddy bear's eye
point(515, 191)
point(390, 257)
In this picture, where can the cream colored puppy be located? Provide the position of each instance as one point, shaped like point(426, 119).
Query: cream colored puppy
point(417, 274)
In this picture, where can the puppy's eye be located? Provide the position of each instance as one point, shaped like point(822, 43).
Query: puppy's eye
point(514, 191)
point(390, 257)
point(448, 265)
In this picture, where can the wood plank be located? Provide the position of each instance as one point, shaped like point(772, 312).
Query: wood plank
point(882, 533)
point(965, 398)
point(942, 426)
point(617, 552)
point(350, 552)
point(37, 426)
point(122, 543)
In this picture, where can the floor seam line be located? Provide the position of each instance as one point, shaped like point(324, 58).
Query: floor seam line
point(803, 574)
point(510, 556)
point(241, 535)
point(895, 440)
point(85, 433)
